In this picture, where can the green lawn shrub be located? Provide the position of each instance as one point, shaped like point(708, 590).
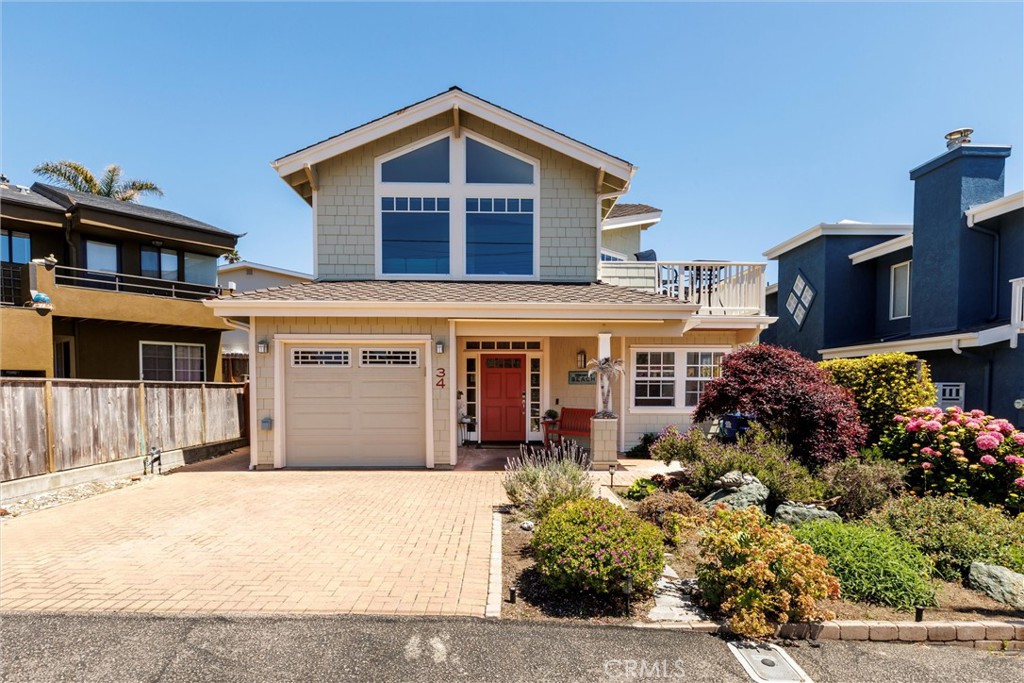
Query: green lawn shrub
point(641, 488)
point(873, 565)
point(862, 485)
point(540, 480)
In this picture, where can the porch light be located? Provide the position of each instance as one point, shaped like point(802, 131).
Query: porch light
point(581, 360)
point(262, 346)
point(439, 346)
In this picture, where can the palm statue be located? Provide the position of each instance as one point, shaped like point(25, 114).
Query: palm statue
point(607, 370)
point(75, 176)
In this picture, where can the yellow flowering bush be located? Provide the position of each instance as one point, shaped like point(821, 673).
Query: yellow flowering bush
point(884, 385)
point(756, 573)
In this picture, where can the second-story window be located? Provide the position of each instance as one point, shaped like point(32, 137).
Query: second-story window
point(457, 207)
point(159, 263)
point(899, 291)
point(15, 247)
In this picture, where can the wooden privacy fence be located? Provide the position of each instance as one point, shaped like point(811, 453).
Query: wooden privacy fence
point(50, 425)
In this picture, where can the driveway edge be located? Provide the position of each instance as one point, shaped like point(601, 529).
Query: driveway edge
point(493, 608)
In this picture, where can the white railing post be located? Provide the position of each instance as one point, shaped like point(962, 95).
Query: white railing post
point(718, 287)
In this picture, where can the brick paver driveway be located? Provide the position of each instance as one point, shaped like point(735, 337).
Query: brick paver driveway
point(214, 539)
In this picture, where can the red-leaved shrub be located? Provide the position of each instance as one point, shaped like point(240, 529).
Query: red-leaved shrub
point(789, 395)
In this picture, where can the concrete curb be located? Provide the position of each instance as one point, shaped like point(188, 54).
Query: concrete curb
point(493, 608)
point(983, 635)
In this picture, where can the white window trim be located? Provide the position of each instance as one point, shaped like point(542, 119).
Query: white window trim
point(962, 390)
point(173, 359)
point(680, 378)
point(892, 290)
point(457, 190)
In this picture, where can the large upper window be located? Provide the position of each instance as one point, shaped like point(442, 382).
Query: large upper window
point(101, 257)
point(200, 268)
point(479, 219)
point(159, 263)
point(899, 291)
point(426, 164)
point(415, 234)
point(673, 378)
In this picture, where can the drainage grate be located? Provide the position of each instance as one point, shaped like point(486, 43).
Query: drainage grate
point(768, 663)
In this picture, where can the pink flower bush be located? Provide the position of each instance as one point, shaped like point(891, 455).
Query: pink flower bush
point(968, 454)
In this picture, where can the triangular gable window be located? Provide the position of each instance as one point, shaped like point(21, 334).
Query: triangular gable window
point(484, 164)
point(426, 164)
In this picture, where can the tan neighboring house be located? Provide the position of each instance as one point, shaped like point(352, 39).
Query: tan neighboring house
point(124, 284)
point(245, 276)
point(462, 275)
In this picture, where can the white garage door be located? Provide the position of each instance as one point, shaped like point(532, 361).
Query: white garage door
point(355, 407)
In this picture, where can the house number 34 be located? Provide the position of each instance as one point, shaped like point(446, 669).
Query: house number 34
point(440, 375)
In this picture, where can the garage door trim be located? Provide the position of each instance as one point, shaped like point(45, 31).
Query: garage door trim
point(282, 358)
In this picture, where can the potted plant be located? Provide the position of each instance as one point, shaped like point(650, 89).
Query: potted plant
point(550, 415)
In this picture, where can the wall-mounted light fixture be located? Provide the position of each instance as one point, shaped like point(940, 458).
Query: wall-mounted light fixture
point(581, 360)
point(439, 346)
point(262, 346)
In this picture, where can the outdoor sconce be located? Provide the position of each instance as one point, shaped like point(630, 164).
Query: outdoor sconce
point(581, 360)
point(439, 346)
point(262, 346)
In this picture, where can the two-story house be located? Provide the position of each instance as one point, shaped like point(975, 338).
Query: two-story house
point(124, 284)
point(947, 288)
point(469, 261)
point(246, 276)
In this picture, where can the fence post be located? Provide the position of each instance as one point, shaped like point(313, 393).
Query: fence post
point(142, 418)
point(51, 462)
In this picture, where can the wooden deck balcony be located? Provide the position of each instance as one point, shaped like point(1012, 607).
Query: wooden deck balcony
point(718, 287)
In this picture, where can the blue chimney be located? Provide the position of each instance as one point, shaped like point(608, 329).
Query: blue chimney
point(951, 275)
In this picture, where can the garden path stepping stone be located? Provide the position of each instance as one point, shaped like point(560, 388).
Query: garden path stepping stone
point(672, 601)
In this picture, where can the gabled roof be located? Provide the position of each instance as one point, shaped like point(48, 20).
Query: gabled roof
point(844, 227)
point(232, 267)
point(70, 198)
point(627, 215)
point(445, 101)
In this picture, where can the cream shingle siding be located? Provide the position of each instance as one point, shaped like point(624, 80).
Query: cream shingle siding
point(346, 212)
point(623, 240)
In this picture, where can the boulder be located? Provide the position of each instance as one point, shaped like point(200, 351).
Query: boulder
point(999, 583)
point(795, 514)
point(752, 493)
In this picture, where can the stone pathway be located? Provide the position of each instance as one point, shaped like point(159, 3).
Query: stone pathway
point(672, 601)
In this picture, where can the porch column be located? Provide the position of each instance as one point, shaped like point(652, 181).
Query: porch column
point(604, 350)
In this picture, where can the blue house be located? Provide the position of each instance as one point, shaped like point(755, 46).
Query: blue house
point(949, 288)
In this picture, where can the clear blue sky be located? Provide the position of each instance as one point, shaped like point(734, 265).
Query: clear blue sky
point(749, 123)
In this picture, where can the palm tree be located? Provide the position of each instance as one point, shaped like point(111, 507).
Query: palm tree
point(75, 176)
point(607, 370)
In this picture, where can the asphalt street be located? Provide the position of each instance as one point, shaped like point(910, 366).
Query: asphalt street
point(116, 648)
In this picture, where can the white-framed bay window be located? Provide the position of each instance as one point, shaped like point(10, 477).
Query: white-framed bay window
point(461, 206)
point(671, 378)
point(172, 362)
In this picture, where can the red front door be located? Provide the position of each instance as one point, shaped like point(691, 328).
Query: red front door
point(503, 381)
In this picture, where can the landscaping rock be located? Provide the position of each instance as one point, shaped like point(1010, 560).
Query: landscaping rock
point(739, 491)
point(795, 514)
point(526, 526)
point(998, 582)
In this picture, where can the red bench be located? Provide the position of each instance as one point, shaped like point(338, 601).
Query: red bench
point(572, 422)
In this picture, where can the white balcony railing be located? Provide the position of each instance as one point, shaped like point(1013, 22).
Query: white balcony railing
point(718, 287)
point(1017, 305)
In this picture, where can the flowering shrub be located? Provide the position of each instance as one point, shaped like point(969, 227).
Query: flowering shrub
point(791, 396)
point(754, 571)
point(670, 446)
point(540, 480)
point(592, 545)
point(883, 385)
point(961, 453)
point(954, 532)
point(873, 565)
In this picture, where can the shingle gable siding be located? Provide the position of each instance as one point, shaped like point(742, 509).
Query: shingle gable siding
point(345, 211)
